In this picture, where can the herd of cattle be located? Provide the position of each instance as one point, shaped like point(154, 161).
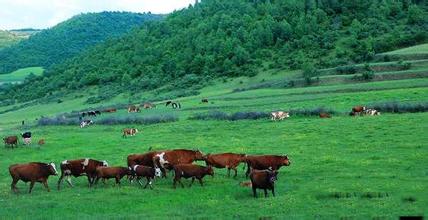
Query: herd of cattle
point(261, 169)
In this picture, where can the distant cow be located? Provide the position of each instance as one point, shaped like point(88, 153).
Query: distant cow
point(80, 167)
point(167, 159)
point(191, 171)
point(174, 105)
point(149, 105)
point(263, 162)
point(263, 179)
point(279, 115)
point(85, 123)
point(133, 108)
point(41, 142)
point(129, 131)
point(31, 172)
point(149, 173)
point(371, 112)
point(110, 110)
point(111, 172)
point(357, 110)
point(225, 160)
point(10, 141)
point(204, 100)
point(325, 115)
point(26, 136)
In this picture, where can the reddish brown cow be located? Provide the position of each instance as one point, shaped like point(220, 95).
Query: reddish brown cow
point(110, 110)
point(167, 159)
point(357, 110)
point(129, 131)
point(145, 171)
point(41, 142)
point(149, 105)
point(10, 141)
point(31, 172)
point(325, 115)
point(193, 171)
point(225, 160)
point(263, 179)
point(78, 168)
point(111, 172)
point(263, 162)
point(140, 159)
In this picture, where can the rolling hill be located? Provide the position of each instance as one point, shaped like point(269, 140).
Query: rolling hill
point(69, 38)
point(7, 38)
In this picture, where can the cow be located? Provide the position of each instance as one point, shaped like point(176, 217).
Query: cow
point(191, 171)
point(204, 100)
point(262, 162)
point(31, 172)
point(26, 136)
point(325, 115)
point(133, 108)
point(148, 105)
point(279, 115)
point(80, 167)
point(263, 179)
point(111, 172)
point(97, 112)
point(371, 112)
point(85, 123)
point(41, 142)
point(174, 105)
point(357, 110)
point(10, 141)
point(168, 103)
point(129, 131)
point(165, 160)
point(225, 160)
point(92, 113)
point(110, 110)
point(149, 173)
point(140, 159)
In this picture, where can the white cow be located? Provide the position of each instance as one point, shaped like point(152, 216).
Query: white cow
point(280, 115)
point(371, 112)
point(85, 123)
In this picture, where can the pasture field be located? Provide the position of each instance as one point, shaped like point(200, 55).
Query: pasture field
point(418, 49)
point(19, 75)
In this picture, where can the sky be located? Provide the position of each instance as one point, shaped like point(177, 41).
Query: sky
point(16, 14)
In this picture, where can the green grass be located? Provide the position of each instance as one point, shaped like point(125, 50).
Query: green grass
point(418, 49)
point(20, 75)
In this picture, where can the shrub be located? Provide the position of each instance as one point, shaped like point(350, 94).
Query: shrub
point(396, 107)
point(310, 112)
point(58, 120)
point(138, 120)
point(217, 115)
point(352, 69)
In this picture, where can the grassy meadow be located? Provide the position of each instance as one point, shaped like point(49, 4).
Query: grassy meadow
point(19, 75)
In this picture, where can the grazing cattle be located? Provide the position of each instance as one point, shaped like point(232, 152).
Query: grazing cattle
point(92, 113)
point(129, 131)
point(148, 105)
point(80, 167)
point(85, 123)
point(133, 108)
point(357, 110)
point(263, 179)
point(325, 115)
point(41, 142)
point(263, 162)
point(371, 112)
point(110, 110)
point(174, 105)
point(204, 100)
point(191, 171)
point(279, 115)
point(225, 160)
point(10, 141)
point(111, 172)
point(149, 173)
point(26, 136)
point(31, 172)
point(168, 103)
point(167, 159)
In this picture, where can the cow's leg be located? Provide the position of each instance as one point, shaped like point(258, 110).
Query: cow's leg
point(193, 180)
point(175, 183)
point(236, 172)
point(31, 186)
point(117, 180)
point(265, 192)
point(13, 185)
point(228, 172)
point(60, 180)
point(95, 182)
point(69, 180)
point(45, 183)
point(248, 170)
point(200, 181)
point(254, 192)
point(149, 182)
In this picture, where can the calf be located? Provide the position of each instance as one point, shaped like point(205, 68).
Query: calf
point(262, 162)
point(85, 123)
point(191, 171)
point(80, 167)
point(10, 141)
point(150, 173)
point(325, 115)
point(110, 110)
point(148, 105)
point(167, 159)
point(263, 179)
point(357, 110)
point(225, 160)
point(41, 142)
point(129, 131)
point(31, 172)
point(371, 112)
point(111, 172)
point(140, 159)
point(279, 115)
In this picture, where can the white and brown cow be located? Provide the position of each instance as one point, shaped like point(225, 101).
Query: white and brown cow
point(371, 112)
point(85, 123)
point(279, 115)
point(129, 131)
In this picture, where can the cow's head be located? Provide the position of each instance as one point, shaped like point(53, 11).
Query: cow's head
point(52, 169)
point(105, 164)
point(285, 160)
point(272, 176)
point(199, 155)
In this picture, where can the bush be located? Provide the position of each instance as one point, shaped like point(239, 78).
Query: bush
point(352, 69)
point(217, 115)
point(395, 107)
point(310, 112)
point(58, 120)
point(138, 120)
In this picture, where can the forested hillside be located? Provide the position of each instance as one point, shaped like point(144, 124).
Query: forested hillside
point(223, 38)
point(68, 38)
point(7, 39)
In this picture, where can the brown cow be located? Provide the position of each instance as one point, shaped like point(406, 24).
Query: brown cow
point(357, 110)
point(167, 159)
point(110, 110)
point(150, 173)
point(129, 131)
point(225, 160)
point(263, 179)
point(325, 115)
point(140, 159)
point(111, 172)
point(78, 168)
point(148, 105)
point(133, 108)
point(41, 142)
point(10, 141)
point(31, 172)
point(191, 170)
point(263, 162)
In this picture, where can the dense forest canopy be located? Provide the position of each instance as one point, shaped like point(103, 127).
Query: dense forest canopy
point(68, 38)
point(223, 38)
